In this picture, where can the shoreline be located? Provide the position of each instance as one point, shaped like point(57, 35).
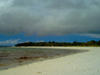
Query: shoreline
point(46, 55)
point(86, 63)
point(55, 47)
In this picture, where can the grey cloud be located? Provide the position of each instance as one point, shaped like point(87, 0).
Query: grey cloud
point(82, 21)
point(22, 3)
point(3, 0)
point(95, 2)
point(43, 21)
point(14, 21)
point(91, 35)
point(67, 4)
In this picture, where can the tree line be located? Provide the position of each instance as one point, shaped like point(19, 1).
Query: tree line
point(53, 43)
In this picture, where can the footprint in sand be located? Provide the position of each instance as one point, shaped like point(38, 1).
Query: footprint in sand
point(38, 72)
point(98, 70)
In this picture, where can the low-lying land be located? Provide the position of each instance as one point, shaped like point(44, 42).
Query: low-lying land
point(53, 43)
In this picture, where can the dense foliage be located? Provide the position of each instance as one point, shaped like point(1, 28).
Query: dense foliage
point(53, 43)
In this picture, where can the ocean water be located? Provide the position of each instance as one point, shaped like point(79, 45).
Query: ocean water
point(12, 57)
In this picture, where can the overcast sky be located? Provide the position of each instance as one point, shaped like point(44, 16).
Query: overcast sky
point(50, 17)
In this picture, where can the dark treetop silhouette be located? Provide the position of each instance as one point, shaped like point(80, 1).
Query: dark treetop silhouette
point(53, 43)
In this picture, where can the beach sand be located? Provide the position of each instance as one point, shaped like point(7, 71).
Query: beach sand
point(86, 63)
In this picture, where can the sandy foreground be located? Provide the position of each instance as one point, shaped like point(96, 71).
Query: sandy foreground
point(86, 63)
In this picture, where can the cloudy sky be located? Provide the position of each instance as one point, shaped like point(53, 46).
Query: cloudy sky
point(49, 20)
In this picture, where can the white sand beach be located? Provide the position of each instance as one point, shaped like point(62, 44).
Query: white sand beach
point(86, 63)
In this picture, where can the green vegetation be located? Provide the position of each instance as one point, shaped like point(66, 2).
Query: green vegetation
point(53, 43)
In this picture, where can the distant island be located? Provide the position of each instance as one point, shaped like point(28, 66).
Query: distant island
point(53, 43)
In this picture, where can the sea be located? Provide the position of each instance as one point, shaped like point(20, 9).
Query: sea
point(15, 56)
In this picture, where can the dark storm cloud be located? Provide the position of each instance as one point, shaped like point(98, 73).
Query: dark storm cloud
point(22, 3)
point(50, 17)
point(67, 4)
point(14, 21)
